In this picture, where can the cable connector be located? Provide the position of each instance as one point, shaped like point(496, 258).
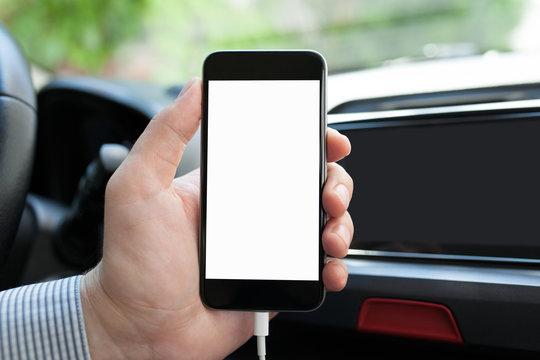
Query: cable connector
point(261, 331)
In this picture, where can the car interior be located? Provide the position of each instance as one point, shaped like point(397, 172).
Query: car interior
point(445, 260)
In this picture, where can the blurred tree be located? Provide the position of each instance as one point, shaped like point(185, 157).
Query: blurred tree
point(167, 40)
point(80, 34)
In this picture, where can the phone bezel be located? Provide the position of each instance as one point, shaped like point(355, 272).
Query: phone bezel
point(262, 295)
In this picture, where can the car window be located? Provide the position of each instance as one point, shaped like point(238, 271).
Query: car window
point(166, 41)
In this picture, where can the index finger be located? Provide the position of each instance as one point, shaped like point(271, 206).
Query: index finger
point(337, 145)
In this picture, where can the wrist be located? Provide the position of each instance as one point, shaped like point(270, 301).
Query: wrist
point(110, 334)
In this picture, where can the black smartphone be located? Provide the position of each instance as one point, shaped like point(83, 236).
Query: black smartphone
point(263, 167)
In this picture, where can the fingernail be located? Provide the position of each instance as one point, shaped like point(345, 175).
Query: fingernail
point(343, 194)
point(349, 141)
point(344, 233)
point(187, 86)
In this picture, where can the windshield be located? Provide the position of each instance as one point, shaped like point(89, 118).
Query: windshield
point(166, 41)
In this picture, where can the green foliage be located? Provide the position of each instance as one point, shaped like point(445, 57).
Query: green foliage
point(167, 40)
point(80, 33)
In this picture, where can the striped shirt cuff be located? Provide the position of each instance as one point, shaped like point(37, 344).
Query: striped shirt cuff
point(43, 321)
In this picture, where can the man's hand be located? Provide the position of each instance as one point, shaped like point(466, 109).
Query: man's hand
point(142, 300)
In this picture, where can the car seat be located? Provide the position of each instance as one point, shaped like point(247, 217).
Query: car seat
point(18, 124)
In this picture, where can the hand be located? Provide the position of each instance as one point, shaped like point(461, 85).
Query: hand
point(142, 300)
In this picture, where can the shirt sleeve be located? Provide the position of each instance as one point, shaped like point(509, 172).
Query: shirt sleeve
point(43, 321)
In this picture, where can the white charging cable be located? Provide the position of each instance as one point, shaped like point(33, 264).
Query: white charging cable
point(261, 332)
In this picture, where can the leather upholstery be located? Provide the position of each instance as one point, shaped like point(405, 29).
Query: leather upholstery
point(17, 137)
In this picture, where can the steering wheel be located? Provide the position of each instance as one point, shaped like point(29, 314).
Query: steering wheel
point(18, 125)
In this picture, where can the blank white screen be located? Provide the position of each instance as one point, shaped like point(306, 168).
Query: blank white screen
point(262, 210)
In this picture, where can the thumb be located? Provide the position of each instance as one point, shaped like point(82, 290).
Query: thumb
point(153, 160)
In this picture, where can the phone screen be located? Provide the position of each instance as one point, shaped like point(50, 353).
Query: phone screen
point(263, 166)
point(263, 180)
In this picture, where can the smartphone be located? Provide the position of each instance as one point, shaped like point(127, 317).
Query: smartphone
point(263, 167)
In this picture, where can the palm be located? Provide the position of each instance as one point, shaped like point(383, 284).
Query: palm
point(159, 239)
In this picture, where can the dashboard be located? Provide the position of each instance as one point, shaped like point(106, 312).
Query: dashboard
point(445, 210)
